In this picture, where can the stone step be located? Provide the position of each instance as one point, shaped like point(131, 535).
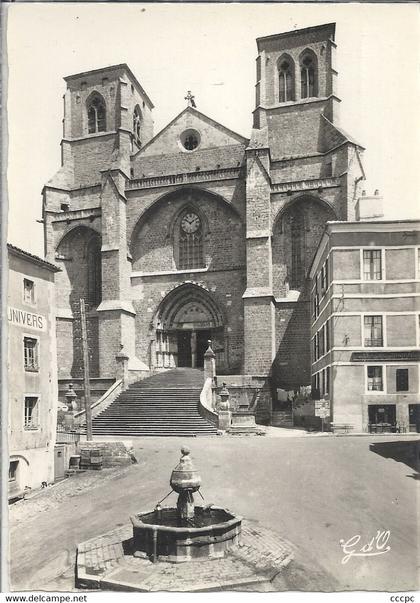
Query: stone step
point(142, 421)
point(282, 418)
point(140, 434)
point(148, 418)
point(161, 410)
point(171, 392)
point(164, 404)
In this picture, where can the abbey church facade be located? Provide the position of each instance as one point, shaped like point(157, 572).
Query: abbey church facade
point(197, 233)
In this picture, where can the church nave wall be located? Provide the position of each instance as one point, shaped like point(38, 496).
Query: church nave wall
point(155, 244)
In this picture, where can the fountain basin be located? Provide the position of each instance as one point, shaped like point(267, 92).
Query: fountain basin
point(162, 535)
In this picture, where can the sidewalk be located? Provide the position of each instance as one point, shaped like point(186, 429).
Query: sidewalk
point(298, 432)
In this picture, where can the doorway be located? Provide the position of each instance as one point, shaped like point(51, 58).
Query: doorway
point(382, 418)
point(202, 345)
point(192, 346)
point(59, 463)
point(184, 348)
point(186, 319)
point(414, 417)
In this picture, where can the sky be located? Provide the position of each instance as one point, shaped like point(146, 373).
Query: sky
point(209, 49)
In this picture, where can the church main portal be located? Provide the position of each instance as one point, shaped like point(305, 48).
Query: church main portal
point(191, 347)
point(187, 318)
point(183, 348)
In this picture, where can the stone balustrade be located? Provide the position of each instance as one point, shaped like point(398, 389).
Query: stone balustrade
point(185, 178)
point(305, 185)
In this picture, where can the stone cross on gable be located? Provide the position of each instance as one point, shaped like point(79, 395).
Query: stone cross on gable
point(190, 99)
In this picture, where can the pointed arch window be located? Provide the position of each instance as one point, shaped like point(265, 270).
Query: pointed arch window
point(190, 241)
point(137, 118)
point(308, 76)
point(286, 80)
point(297, 240)
point(94, 271)
point(96, 114)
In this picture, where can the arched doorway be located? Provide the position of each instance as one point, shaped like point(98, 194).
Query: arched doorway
point(186, 319)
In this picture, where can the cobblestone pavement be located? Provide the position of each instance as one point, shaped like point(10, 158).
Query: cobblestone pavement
point(260, 556)
point(52, 497)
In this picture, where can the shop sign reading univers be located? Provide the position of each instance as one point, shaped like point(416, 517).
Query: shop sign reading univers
point(29, 320)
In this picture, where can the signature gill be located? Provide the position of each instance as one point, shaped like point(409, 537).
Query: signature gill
point(378, 545)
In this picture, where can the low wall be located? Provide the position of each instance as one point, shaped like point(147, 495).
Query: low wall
point(249, 392)
point(113, 453)
point(98, 387)
point(69, 449)
point(206, 403)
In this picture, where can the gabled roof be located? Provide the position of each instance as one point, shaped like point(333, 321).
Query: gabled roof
point(121, 66)
point(32, 258)
point(196, 113)
point(343, 133)
point(328, 27)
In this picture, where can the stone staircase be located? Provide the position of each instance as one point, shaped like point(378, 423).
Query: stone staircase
point(282, 418)
point(163, 405)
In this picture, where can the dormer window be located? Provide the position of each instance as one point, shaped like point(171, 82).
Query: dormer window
point(308, 75)
point(137, 123)
point(286, 80)
point(96, 114)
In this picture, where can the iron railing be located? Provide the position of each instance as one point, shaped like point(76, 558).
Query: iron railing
point(67, 436)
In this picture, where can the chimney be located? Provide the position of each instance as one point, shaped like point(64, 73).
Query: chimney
point(369, 207)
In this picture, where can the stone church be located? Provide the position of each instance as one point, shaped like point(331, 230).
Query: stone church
point(195, 232)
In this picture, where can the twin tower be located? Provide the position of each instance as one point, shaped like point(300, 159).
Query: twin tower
point(196, 232)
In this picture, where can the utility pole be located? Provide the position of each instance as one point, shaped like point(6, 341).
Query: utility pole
point(86, 371)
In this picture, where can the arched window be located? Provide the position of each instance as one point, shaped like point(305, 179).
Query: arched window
point(190, 241)
point(308, 75)
point(94, 271)
point(286, 80)
point(96, 114)
point(137, 123)
point(297, 238)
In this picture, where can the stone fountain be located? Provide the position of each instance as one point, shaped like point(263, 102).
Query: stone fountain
point(160, 549)
point(185, 532)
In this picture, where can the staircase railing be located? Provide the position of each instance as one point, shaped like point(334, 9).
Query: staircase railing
point(206, 403)
point(106, 400)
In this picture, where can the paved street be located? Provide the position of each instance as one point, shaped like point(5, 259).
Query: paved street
point(314, 491)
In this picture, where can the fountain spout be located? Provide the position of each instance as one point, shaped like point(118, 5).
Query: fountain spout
point(185, 480)
point(178, 534)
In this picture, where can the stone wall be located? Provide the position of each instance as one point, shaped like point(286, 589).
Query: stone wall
point(315, 215)
point(259, 332)
point(223, 235)
point(72, 286)
point(164, 162)
point(114, 454)
point(292, 365)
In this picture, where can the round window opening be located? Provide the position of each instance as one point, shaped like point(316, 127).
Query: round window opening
point(190, 139)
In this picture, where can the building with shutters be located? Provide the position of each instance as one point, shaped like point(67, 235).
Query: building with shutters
point(32, 371)
point(366, 324)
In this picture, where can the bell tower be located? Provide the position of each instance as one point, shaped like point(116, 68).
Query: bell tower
point(302, 171)
point(296, 84)
point(107, 117)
